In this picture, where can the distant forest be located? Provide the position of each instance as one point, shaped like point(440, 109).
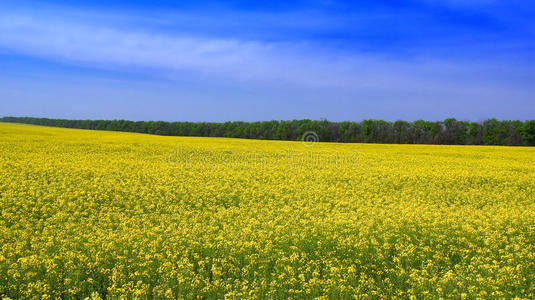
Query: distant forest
point(449, 131)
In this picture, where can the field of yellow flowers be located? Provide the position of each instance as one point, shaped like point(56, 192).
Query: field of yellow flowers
point(109, 215)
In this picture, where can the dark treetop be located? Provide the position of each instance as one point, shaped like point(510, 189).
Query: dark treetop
point(449, 131)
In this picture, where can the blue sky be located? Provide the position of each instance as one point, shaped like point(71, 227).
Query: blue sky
point(265, 60)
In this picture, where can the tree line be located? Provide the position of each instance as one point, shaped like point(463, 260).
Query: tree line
point(449, 131)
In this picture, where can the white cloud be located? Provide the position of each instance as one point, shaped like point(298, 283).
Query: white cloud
point(109, 46)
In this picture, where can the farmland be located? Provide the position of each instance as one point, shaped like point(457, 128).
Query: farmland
point(110, 214)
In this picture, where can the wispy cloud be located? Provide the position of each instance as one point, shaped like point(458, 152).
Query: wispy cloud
point(161, 45)
point(301, 62)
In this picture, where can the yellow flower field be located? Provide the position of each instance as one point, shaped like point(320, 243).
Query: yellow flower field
point(122, 215)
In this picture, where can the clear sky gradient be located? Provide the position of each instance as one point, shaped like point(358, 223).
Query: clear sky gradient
point(268, 60)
